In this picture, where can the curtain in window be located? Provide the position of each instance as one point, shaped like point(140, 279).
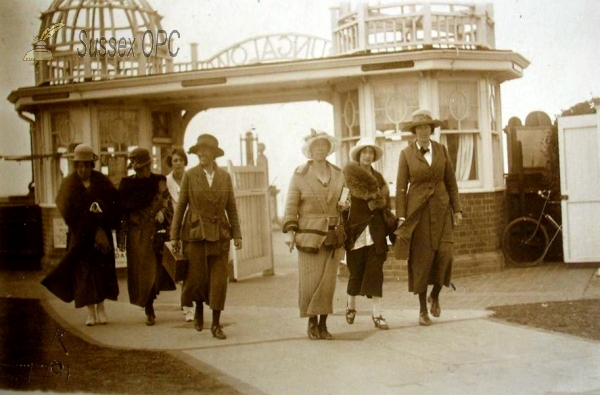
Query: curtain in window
point(464, 156)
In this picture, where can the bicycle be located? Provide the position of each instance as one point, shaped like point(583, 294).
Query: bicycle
point(525, 239)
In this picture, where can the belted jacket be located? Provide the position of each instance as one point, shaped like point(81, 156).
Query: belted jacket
point(310, 208)
point(206, 212)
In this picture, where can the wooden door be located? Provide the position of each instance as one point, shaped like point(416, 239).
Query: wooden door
point(579, 153)
point(252, 199)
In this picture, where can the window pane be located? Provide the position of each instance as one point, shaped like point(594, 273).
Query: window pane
point(463, 150)
point(393, 104)
point(119, 134)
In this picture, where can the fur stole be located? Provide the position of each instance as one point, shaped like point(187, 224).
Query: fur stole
point(365, 185)
point(139, 192)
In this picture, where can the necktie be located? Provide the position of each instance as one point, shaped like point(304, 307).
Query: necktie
point(424, 150)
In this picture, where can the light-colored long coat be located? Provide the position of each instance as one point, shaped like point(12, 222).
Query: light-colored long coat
point(307, 211)
point(419, 184)
point(310, 210)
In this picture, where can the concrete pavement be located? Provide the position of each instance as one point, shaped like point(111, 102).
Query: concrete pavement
point(267, 350)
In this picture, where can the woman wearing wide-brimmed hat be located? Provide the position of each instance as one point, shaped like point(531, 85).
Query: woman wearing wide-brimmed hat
point(206, 220)
point(428, 207)
point(312, 208)
point(147, 213)
point(89, 204)
point(366, 244)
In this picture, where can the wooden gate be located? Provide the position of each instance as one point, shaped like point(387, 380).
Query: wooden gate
point(252, 198)
point(579, 153)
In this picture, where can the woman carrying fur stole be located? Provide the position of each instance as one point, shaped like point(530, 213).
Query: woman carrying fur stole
point(366, 245)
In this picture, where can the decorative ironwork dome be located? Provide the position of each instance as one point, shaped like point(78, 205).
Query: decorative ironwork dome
point(79, 54)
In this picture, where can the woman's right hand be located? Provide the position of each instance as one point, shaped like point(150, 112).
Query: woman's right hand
point(291, 241)
point(400, 222)
point(176, 245)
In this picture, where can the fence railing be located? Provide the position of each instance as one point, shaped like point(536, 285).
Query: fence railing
point(367, 29)
point(410, 26)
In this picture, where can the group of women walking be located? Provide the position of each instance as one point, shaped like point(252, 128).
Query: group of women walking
point(427, 209)
point(194, 210)
point(328, 211)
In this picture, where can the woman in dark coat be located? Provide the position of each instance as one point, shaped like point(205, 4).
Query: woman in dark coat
point(147, 213)
point(428, 207)
point(89, 204)
point(366, 244)
point(311, 209)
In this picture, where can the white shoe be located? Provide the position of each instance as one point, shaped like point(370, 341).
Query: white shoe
point(91, 320)
point(189, 316)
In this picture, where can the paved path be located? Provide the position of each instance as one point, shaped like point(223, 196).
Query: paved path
point(267, 350)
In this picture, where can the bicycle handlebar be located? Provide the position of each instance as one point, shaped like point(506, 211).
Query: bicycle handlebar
point(545, 194)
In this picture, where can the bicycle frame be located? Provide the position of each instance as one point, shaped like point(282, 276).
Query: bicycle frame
point(543, 214)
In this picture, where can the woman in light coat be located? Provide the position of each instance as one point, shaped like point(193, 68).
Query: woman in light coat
point(312, 209)
point(428, 207)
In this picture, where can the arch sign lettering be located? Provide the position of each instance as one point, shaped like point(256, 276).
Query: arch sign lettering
point(270, 48)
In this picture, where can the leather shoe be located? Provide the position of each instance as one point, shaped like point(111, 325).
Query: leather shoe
point(380, 322)
point(435, 306)
point(313, 330)
point(198, 321)
point(217, 331)
point(350, 315)
point(150, 319)
point(324, 334)
point(424, 319)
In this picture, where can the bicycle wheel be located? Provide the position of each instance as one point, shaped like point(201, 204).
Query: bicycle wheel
point(521, 246)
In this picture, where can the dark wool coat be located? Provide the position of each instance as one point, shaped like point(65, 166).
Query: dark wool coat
point(434, 185)
point(370, 195)
point(311, 209)
point(433, 190)
point(85, 274)
point(142, 199)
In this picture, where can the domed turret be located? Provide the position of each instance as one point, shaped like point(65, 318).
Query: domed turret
point(101, 39)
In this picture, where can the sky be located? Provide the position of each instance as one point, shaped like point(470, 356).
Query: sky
point(560, 39)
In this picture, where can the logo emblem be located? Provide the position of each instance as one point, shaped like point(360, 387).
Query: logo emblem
point(40, 52)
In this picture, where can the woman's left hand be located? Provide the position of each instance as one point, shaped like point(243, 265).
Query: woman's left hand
point(237, 243)
point(343, 206)
point(457, 218)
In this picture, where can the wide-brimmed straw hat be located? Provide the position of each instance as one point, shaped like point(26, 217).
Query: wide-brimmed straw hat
point(364, 143)
point(207, 141)
point(84, 153)
point(317, 135)
point(139, 157)
point(420, 117)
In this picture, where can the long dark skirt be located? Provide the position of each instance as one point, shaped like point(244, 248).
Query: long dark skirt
point(95, 281)
point(207, 274)
point(430, 264)
point(366, 271)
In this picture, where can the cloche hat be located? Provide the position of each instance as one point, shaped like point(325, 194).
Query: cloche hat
point(84, 153)
point(207, 141)
point(421, 117)
point(317, 135)
point(364, 143)
point(139, 157)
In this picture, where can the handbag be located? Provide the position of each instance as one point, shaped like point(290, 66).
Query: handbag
point(336, 237)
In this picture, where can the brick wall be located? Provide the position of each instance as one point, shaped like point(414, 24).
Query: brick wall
point(476, 241)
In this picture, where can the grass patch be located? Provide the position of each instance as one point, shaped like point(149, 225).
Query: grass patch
point(33, 357)
point(576, 317)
